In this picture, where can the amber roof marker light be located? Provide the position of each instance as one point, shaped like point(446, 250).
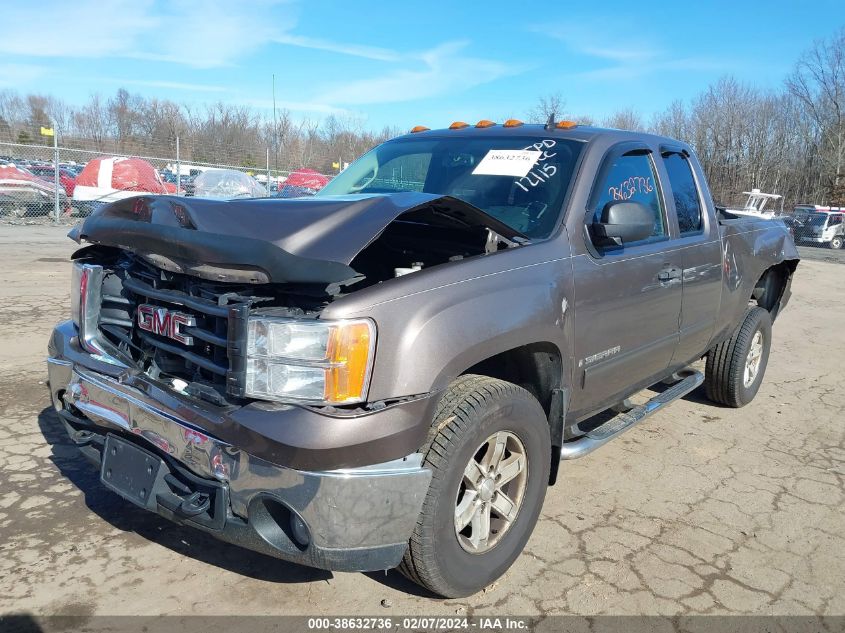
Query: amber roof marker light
point(458, 125)
point(566, 125)
point(485, 123)
point(512, 123)
point(419, 128)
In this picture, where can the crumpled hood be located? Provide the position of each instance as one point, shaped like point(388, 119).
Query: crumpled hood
point(308, 240)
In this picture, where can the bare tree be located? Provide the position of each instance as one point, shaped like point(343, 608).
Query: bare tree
point(627, 119)
point(11, 114)
point(124, 111)
point(818, 82)
point(37, 116)
point(61, 115)
point(92, 122)
point(550, 105)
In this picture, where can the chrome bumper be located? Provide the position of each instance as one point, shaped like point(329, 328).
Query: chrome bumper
point(356, 518)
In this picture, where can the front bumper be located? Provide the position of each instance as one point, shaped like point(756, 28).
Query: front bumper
point(354, 519)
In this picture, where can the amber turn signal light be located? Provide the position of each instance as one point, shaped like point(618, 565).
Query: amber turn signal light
point(349, 351)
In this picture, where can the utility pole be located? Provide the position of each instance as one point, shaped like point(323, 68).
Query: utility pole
point(275, 128)
point(178, 167)
point(56, 179)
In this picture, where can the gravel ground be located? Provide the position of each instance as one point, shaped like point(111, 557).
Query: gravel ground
point(822, 254)
point(700, 509)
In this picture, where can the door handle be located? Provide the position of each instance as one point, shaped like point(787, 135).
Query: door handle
point(669, 273)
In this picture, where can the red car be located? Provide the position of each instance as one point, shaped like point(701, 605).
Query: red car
point(66, 178)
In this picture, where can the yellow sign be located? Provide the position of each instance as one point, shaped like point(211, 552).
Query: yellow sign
point(335, 165)
point(47, 131)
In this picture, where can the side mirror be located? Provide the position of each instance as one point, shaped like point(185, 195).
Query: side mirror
point(624, 222)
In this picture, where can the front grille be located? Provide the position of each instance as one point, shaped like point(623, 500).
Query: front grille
point(214, 309)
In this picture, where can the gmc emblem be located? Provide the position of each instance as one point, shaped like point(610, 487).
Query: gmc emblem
point(163, 322)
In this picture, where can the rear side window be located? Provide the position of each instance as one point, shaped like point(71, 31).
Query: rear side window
point(685, 193)
point(630, 177)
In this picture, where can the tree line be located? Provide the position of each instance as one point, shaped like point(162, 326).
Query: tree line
point(216, 133)
point(788, 140)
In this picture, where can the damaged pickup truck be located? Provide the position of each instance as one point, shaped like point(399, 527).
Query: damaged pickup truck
point(390, 373)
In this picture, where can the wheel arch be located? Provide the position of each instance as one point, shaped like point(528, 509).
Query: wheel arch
point(539, 369)
point(771, 287)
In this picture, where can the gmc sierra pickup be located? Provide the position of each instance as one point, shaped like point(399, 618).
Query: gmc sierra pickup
point(390, 373)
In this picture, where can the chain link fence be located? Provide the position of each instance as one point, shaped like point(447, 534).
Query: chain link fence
point(33, 190)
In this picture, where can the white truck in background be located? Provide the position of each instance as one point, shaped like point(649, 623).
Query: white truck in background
point(819, 225)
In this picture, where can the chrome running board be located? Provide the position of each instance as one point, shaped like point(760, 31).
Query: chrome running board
point(578, 447)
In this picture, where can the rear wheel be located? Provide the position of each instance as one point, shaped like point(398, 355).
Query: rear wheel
point(489, 452)
point(734, 369)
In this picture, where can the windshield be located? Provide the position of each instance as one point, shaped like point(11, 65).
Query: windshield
point(811, 218)
point(523, 189)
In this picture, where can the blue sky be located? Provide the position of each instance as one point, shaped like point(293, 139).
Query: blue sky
point(409, 63)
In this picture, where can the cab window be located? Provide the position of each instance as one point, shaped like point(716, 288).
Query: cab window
point(684, 192)
point(630, 177)
point(834, 220)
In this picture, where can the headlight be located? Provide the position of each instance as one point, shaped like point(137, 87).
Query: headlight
point(325, 362)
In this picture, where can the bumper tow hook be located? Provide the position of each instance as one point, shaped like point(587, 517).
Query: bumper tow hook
point(196, 504)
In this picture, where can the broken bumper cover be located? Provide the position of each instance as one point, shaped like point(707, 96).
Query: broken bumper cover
point(349, 519)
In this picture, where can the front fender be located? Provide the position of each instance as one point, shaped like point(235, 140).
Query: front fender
point(445, 321)
point(450, 333)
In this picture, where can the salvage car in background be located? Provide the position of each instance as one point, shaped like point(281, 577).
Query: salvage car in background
point(302, 182)
point(66, 177)
point(109, 178)
point(25, 194)
point(227, 184)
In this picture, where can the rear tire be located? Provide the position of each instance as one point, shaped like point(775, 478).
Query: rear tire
point(476, 416)
point(734, 368)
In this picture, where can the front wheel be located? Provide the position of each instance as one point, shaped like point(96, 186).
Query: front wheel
point(734, 369)
point(489, 453)
point(836, 242)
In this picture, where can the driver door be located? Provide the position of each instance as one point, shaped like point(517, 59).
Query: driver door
point(628, 298)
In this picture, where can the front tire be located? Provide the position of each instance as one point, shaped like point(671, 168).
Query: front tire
point(836, 242)
point(734, 368)
point(489, 453)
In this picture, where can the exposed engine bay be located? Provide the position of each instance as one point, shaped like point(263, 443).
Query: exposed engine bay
point(179, 282)
point(336, 241)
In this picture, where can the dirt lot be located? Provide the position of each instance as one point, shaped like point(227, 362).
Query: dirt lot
point(698, 510)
